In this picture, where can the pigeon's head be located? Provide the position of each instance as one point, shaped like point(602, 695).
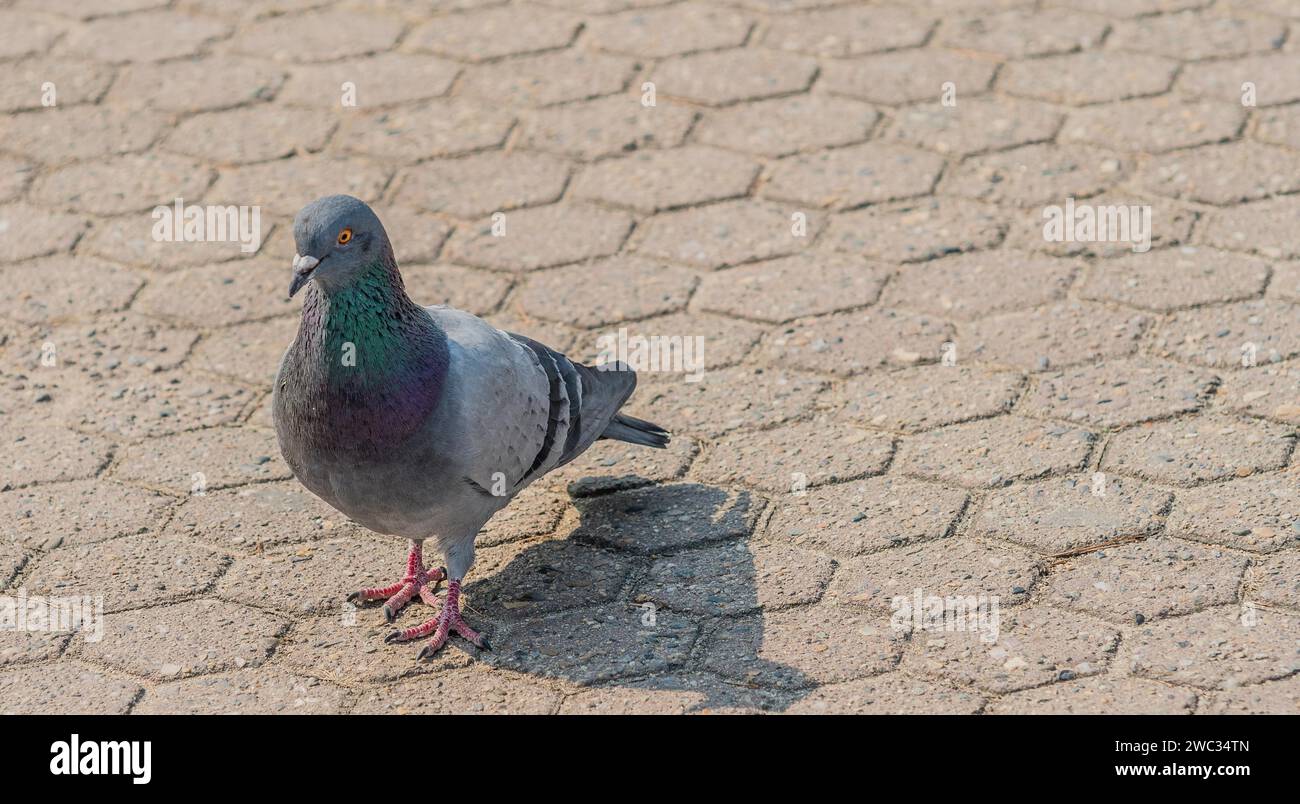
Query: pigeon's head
point(337, 237)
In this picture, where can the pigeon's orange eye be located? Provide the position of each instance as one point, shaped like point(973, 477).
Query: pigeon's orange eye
point(345, 236)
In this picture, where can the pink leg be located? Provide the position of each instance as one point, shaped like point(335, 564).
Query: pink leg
point(418, 580)
point(442, 626)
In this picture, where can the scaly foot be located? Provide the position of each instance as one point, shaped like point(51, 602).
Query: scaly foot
point(447, 621)
point(418, 581)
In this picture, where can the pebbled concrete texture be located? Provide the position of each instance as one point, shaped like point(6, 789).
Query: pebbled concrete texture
point(904, 394)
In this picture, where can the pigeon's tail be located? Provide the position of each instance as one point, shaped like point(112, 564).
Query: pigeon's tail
point(636, 431)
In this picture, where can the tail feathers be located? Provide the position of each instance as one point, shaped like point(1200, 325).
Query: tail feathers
point(636, 431)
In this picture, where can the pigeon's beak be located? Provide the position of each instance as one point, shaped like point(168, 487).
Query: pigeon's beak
point(302, 268)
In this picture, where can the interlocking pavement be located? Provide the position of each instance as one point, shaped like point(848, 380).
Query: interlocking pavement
point(904, 390)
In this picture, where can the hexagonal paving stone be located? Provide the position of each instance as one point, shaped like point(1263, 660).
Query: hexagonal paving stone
point(550, 78)
point(130, 183)
point(1221, 80)
point(677, 29)
point(729, 76)
point(925, 397)
point(61, 287)
point(257, 516)
point(1097, 696)
point(493, 33)
point(534, 579)
point(417, 236)
point(1036, 174)
point(819, 644)
point(854, 176)
point(312, 578)
point(1015, 34)
point(318, 35)
point(477, 292)
point(541, 237)
point(537, 511)
point(849, 343)
point(187, 85)
point(1280, 126)
point(1192, 37)
point(149, 36)
point(58, 135)
point(38, 33)
point(127, 573)
point(916, 231)
point(262, 693)
point(1103, 233)
point(1224, 174)
point(1273, 698)
point(657, 180)
point(971, 286)
point(1285, 282)
point(14, 177)
point(735, 578)
point(1222, 648)
point(672, 694)
point(975, 125)
point(845, 32)
point(1272, 392)
point(1147, 581)
point(1034, 646)
point(1168, 279)
point(218, 295)
point(382, 80)
point(730, 233)
point(717, 343)
point(251, 134)
point(890, 694)
point(1246, 334)
point(993, 452)
point(785, 125)
point(793, 287)
point(1123, 9)
point(613, 466)
point(1154, 125)
point(481, 184)
point(471, 691)
point(249, 352)
point(909, 76)
point(1050, 337)
point(795, 457)
point(1064, 516)
point(593, 645)
point(717, 405)
point(79, 513)
point(866, 516)
point(42, 453)
point(1120, 392)
point(65, 689)
point(44, 232)
point(1275, 581)
point(348, 645)
point(1260, 514)
point(1077, 79)
point(187, 639)
point(287, 185)
point(1185, 452)
point(625, 288)
point(75, 83)
point(433, 129)
point(23, 647)
point(944, 568)
point(666, 518)
point(130, 239)
point(210, 459)
point(1257, 227)
point(606, 126)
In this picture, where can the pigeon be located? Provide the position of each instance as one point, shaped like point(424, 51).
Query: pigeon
point(422, 422)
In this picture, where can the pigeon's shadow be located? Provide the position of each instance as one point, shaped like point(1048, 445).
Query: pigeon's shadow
point(653, 590)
